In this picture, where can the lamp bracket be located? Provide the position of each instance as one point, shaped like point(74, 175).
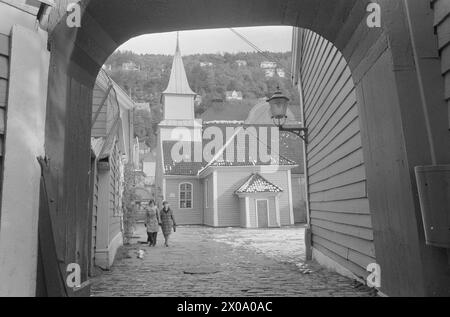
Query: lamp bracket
point(300, 132)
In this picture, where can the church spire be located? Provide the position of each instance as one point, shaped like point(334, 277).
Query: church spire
point(178, 83)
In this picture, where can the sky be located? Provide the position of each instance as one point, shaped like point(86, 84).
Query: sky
point(266, 38)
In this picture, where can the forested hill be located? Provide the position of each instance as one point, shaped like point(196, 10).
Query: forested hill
point(209, 75)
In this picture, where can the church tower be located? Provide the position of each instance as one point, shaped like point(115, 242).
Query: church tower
point(178, 104)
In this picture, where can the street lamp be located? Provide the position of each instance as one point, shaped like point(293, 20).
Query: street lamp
point(278, 108)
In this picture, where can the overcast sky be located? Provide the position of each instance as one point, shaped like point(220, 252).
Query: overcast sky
point(267, 38)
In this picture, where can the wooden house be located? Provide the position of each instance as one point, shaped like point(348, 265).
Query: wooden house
point(113, 145)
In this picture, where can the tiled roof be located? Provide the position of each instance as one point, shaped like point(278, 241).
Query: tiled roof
point(282, 157)
point(289, 155)
point(258, 184)
point(180, 168)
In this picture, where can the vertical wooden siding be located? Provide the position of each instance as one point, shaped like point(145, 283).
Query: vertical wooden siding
point(340, 216)
point(442, 25)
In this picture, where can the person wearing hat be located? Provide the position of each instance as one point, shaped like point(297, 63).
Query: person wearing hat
point(167, 222)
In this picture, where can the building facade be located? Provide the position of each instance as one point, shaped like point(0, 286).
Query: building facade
point(113, 146)
point(208, 190)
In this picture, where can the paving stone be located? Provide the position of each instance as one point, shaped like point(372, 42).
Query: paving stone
point(229, 262)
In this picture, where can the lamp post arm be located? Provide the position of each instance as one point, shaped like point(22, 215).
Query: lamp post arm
point(301, 132)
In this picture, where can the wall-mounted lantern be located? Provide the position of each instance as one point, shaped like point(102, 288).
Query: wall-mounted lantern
point(278, 108)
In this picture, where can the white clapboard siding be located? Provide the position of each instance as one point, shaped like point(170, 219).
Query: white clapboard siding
point(228, 203)
point(340, 213)
point(191, 216)
point(442, 25)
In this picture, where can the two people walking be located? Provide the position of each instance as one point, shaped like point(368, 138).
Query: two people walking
point(155, 218)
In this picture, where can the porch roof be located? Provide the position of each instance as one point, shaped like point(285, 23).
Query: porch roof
point(257, 184)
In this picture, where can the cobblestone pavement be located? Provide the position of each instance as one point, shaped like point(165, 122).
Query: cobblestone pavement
point(223, 262)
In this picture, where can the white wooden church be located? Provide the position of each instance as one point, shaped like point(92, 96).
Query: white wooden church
point(230, 186)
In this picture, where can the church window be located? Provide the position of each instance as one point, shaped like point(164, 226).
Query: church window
point(185, 196)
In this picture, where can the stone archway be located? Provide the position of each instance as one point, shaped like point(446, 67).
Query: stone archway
point(77, 55)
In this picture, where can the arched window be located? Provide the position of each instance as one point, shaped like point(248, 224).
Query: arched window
point(185, 196)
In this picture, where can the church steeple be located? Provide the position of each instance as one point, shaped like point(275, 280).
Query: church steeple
point(178, 83)
point(178, 98)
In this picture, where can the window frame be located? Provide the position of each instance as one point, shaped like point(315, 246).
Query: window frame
point(191, 199)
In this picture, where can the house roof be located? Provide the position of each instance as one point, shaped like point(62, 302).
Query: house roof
point(178, 168)
point(257, 184)
point(249, 161)
point(178, 83)
point(232, 92)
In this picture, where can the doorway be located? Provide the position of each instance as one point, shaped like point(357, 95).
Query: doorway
point(262, 213)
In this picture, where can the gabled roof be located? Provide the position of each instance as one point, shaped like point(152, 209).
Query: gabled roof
point(178, 168)
point(257, 184)
point(217, 160)
point(178, 83)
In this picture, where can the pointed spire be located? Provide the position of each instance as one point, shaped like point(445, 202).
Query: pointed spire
point(178, 83)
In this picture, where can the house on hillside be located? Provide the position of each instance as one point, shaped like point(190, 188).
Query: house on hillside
point(268, 65)
point(281, 73)
point(233, 95)
point(269, 73)
point(241, 63)
point(130, 66)
point(112, 146)
point(237, 179)
point(206, 64)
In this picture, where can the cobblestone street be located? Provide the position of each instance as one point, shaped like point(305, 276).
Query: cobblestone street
point(223, 262)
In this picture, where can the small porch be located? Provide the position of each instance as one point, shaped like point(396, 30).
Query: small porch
point(258, 201)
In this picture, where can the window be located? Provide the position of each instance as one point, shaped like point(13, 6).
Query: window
point(185, 196)
point(206, 193)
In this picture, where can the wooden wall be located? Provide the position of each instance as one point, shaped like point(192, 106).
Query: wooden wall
point(208, 212)
point(340, 214)
point(193, 216)
point(95, 205)
point(115, 205)
point(442, 25)
point(4, 75)
point(99, 128)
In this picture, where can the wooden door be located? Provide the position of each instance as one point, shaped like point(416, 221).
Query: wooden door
point(262, 210)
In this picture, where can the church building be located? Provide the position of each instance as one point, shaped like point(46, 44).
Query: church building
point(225, 173)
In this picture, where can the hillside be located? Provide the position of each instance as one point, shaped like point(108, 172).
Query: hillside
point(209, 75)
